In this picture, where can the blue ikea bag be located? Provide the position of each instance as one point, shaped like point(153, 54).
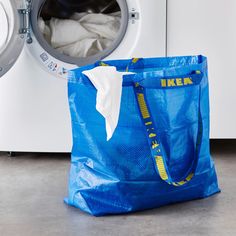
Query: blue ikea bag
point(159, 153)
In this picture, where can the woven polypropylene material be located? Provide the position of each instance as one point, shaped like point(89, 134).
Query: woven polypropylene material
point(120, 176)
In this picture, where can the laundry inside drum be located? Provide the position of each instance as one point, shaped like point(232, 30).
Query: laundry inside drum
point(80, 28)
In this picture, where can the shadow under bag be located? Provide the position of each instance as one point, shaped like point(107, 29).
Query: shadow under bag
point(159, 153)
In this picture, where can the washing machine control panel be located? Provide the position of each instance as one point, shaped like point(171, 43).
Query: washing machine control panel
point(53, 65)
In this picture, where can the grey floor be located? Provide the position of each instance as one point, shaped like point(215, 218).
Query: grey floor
point(32, 187)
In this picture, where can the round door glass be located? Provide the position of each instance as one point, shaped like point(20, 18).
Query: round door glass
point(81, 29)
point(4, 28)
point(11, 42)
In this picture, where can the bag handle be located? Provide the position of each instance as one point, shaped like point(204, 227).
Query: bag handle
point(160, 78)
point(154, 141)
point(155, 144)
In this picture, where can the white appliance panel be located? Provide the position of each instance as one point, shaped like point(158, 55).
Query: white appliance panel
point(208, 27)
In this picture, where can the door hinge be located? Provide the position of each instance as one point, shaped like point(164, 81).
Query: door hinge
point(25, 21)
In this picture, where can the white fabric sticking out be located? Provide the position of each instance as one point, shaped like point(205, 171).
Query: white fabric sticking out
point(83, 35)
point(108, 82)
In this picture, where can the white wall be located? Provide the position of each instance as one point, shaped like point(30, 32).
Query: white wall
point(209, 27)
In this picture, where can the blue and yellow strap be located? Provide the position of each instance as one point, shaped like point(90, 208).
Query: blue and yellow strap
point(101, 63)
point(154, 139)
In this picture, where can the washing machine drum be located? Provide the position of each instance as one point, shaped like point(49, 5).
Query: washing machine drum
point(78, 29)
point(96, 6)
point(77, 32)
point(64, 8)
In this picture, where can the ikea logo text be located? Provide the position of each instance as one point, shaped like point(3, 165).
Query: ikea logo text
point(176, 82)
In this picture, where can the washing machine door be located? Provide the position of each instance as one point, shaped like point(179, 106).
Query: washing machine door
point(12, 32)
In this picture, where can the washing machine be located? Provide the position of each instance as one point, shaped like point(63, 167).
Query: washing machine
point(34, 112)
